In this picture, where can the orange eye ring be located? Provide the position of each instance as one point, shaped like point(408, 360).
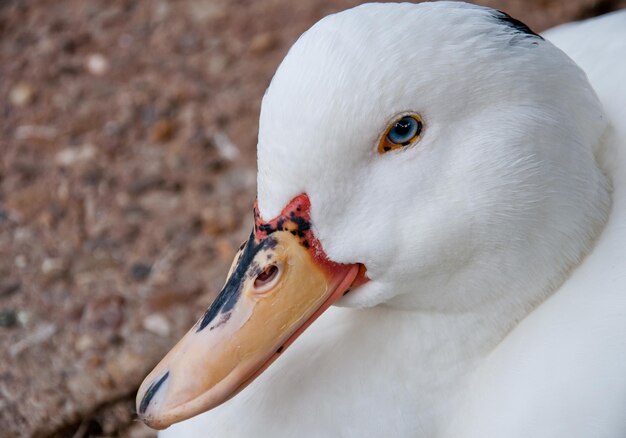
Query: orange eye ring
point(404, 130)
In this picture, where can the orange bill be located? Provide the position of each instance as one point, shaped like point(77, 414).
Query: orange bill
point(279, 283)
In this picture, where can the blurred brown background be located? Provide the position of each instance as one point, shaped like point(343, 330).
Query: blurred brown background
point(127, 177)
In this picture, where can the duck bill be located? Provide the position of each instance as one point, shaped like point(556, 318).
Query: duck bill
point(279, 283)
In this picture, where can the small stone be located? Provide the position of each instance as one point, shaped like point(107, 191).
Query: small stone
point(23, 234)
point(217, 64)
point(71, 156)
point(203, 11)
point(92, 264)
point(139, 430)
point(166, 296)
point(161, 10)
point(125, 41)
point(125, 366)
point(23, 317)
point(140, 271)
point(51, 215)
point(8, 318)
point(97, 64)
point(63, 191)
point(162, 130)
point(112, 128)
point(50, 265)
point(157, 324)
point(225, 146)
point(20, 261)
point(225, 249)
point(115, 416)
point(161, 202)
point(26, 205)
point(81, 386)
point(36, 133)
point(21, 94)
point(103, 314)
point(263, 43)
point(145, 184)
point(84, 342)
point(218, 219)
point(53, 268)
point(38, 336)
point(93, 361)
point(8, 288)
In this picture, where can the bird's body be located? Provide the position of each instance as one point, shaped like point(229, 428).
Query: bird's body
point(561, 372)
point(526, 337)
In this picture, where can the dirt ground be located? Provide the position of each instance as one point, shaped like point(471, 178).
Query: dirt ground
point(127, 177)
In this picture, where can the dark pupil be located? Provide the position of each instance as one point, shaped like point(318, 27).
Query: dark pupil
point(402, 128)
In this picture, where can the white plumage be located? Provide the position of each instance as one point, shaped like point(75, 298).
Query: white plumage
point(495, 246)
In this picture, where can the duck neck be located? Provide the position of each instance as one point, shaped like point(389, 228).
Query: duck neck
point(521, 264)
point(427, 355)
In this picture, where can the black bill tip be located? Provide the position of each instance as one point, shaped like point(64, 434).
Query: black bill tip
point(152, 390)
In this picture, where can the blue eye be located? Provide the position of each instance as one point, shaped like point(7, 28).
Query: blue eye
point(404, 130)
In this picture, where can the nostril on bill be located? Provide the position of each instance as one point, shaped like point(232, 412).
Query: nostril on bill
point(151, 392)
point(268, 275)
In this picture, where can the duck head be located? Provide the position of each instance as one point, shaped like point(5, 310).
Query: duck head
point(433, 157)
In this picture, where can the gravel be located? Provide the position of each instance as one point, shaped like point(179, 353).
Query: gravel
point(126, 183)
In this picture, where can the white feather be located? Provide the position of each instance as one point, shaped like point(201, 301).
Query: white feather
point(503, 203)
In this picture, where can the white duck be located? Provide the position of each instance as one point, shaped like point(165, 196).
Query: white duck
point(466, 163)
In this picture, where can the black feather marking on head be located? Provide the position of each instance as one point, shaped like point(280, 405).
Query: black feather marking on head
point(513, 23)
point(229, 295)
